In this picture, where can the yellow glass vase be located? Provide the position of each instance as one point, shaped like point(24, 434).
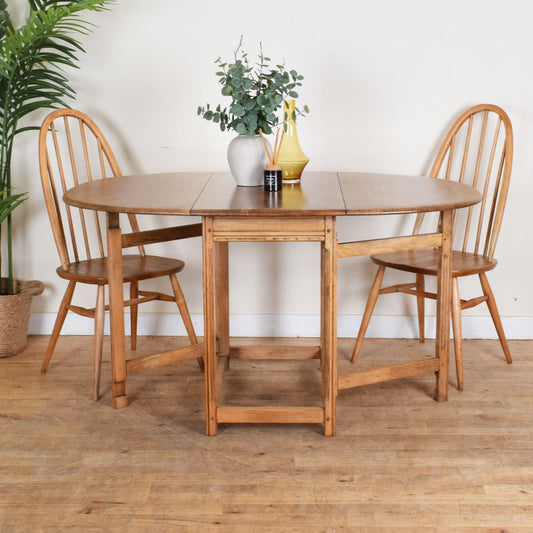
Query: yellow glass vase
point(292, 197)
point(291, 158)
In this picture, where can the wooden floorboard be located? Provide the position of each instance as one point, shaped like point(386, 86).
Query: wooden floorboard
point(400, 462)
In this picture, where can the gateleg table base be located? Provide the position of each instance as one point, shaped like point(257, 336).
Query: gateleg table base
point(438, 364)
point(217, 233)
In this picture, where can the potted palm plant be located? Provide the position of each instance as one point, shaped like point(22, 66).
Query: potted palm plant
point(32, 59)
point(257, 91)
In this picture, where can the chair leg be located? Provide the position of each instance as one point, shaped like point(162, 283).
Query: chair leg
point(491, 303)
point(184, 311)
point(98, 339)
point(370, 304)
point(420, 304)
point(457, 333)
point(134, 293)
point(60, 320)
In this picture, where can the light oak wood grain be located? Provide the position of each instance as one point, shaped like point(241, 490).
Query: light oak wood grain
point(400, 461)
point(478, 151)
point(74, 153)
point(306, 212)
point(218, 231)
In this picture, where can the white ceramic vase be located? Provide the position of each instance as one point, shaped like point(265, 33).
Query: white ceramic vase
point(247, 160)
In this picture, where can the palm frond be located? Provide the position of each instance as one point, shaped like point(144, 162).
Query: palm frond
point(33, 61)
point(37, 5)
point(5, 20)
point(32, 57)
point(9, 203)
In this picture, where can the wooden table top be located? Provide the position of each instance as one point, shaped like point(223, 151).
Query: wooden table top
point(364, 194)
point(319, 194)
point(172, 193)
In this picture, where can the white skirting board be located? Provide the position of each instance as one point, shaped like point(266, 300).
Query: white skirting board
point(474, 327)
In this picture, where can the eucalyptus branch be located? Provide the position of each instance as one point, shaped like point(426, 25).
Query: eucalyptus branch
point(256, 94)
point(239, 47)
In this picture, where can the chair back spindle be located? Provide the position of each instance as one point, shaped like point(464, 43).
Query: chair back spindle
point(477, 151)
point(73, 150)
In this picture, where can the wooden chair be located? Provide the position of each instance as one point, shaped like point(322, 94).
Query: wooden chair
point(72, 150)
point(478, 151)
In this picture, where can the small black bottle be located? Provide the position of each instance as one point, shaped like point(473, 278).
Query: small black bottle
point(273, 180)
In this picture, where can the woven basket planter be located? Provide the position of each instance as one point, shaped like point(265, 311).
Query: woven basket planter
point(15, 315)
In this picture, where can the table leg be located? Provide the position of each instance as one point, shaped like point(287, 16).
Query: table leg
point(329, 325)
point(222, 298)
point(209, 326)
point(116, 303)
point(444, 287)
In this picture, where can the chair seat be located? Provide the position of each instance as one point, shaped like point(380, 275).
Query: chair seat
point(426, 261)
point(135, 267)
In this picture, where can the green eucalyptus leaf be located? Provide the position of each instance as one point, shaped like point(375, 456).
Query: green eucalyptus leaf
point(237, 110)
point(227, 90)
point(240, 129)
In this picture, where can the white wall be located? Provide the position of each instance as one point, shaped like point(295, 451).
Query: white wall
point(383, 80)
